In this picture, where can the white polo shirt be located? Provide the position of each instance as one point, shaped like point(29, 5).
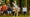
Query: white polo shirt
point(24, 9)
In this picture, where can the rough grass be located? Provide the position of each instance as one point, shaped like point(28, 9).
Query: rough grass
point(12, 16)
point(19, 16)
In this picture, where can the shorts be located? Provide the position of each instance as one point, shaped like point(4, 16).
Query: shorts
point(9, 12)
point(24, 12)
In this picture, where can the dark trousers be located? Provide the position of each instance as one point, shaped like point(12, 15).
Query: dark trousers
point(5, 11)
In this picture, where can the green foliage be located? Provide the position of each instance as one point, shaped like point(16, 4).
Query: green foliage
point(22, 3)
point(3, 1)
point(28, 3)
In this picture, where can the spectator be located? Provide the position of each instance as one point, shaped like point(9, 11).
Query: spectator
point(0, 10)
point(4, 8)
point(9, 10)
point(24, 10)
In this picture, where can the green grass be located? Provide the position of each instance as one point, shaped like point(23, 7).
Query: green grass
point(12, 16)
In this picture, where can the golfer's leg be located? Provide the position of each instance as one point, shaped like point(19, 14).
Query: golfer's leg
point(14, 14)
point(17, 14)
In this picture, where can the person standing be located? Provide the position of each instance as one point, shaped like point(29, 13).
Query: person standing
point(15, 8)
point(0, 10)
point(9, 10)
point(24, 10)
point(4, 9)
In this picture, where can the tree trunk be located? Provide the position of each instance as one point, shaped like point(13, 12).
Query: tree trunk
point(5, 1)
point(26, 3)
point(11, 3)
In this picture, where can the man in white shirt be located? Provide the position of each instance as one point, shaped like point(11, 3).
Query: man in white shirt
point(16, 9)
point(24, 10)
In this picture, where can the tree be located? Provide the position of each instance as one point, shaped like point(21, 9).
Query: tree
point(3, 2)
point(26, 3)
point(11, 3)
